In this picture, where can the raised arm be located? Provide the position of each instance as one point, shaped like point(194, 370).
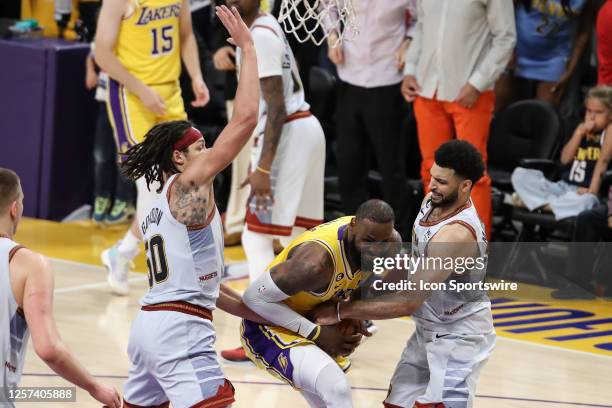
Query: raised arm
point(37, 303)
point(309, 269)
point(246, 108)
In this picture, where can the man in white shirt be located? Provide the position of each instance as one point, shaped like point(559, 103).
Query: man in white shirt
point(459, 49)
point(369, 106)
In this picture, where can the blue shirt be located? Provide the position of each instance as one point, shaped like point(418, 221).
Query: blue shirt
point(545, 35)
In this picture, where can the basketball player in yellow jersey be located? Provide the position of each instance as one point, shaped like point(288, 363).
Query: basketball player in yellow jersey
point(322, 264)
point(139, 43)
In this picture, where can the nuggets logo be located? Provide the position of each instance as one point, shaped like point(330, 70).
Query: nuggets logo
point(282, 361)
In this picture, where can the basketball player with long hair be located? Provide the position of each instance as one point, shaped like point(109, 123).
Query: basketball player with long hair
point(140, 45)
point(26, 306)
point(171, 346)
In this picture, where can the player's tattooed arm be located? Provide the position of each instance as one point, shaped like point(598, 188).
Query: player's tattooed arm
point(309, 268)
point(272, 92)
point(189, 202)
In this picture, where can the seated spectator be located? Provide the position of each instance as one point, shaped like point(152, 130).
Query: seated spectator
point(592, 226)
point(604, 44)
point(585, 158)
point(552, 36)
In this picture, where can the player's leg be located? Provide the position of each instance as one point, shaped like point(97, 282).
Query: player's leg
point(411, 375)
point(473, 125)
point(105, 166)
point(181, 355)
point(323, 382)
point(309, 212)
point(141, 389)
point(455, 362)
point(130, 120)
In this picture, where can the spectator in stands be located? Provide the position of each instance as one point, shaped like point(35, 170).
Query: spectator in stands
point(592, 226)
point(604, 44)
point(113, 193)
point(369, 106)
point(585, 157)
point(458, 52)
point(552, 36)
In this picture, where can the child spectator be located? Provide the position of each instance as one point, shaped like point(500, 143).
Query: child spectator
point(585, 157)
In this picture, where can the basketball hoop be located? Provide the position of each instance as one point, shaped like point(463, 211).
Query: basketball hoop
point(315, 20)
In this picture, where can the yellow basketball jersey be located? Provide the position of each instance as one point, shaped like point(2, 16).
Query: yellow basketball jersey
point(344, 281)
point(148, 44)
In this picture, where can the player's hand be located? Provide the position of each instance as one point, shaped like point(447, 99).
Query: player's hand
point(107, 395)
point(468, 96)
point(325, 314)
point(200, 90)
point(152, 100)
point(335, 343)
point(224, 59)
point(240, 35)
point(410, 88)
point(400, 54)
point(261, 189)
point(334, 49)
point(91, 79)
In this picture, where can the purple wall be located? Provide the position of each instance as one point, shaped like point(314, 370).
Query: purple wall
point(47, 123)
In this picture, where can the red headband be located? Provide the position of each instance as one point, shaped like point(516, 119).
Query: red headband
point(190, 136)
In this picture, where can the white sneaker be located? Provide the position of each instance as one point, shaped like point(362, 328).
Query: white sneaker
point(118, 267)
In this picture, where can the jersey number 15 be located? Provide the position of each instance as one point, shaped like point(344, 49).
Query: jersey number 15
point(162, 38)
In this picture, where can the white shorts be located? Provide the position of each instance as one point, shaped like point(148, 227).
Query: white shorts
point(297, 178)
point(173, 359)
point(439, 367)
point(145, 197)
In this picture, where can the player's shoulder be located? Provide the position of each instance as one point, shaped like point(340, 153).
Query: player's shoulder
point(28, 261)
point(266, 27)
point(457, 232)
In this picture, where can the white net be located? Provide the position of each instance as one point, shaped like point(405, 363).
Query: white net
point(315, 20)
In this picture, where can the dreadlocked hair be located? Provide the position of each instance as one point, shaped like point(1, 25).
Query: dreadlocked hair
point(153, 156)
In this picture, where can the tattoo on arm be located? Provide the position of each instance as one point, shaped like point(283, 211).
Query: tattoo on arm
point(272, 91)
point(189, 202)
point(311, 268)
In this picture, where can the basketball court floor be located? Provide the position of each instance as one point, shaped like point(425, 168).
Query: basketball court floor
point(548, 354)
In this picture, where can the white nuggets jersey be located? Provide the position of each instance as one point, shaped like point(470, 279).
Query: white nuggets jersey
point(14, 333)
point(275, 58)
point(185, 261)
point(467, 312)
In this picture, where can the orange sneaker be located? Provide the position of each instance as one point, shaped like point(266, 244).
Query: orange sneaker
point(235, 356)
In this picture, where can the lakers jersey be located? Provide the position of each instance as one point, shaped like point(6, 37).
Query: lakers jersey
point(448, 310)
point(185, 262)
point(148, 45)
point(344, 281)
point(14, 331)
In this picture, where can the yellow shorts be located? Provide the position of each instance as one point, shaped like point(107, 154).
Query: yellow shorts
point(131, 120)
point(269, 347)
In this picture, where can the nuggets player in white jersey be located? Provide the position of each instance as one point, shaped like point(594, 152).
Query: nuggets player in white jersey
point(140, 43)
point(288, 161)
point(288, 156)
point(26, 307)
point(454, 335)
point(171, 346)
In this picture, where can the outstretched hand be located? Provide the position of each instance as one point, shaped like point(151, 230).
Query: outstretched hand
point(240, 35)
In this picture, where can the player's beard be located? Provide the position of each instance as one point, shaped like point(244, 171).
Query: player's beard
point(447, 200)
